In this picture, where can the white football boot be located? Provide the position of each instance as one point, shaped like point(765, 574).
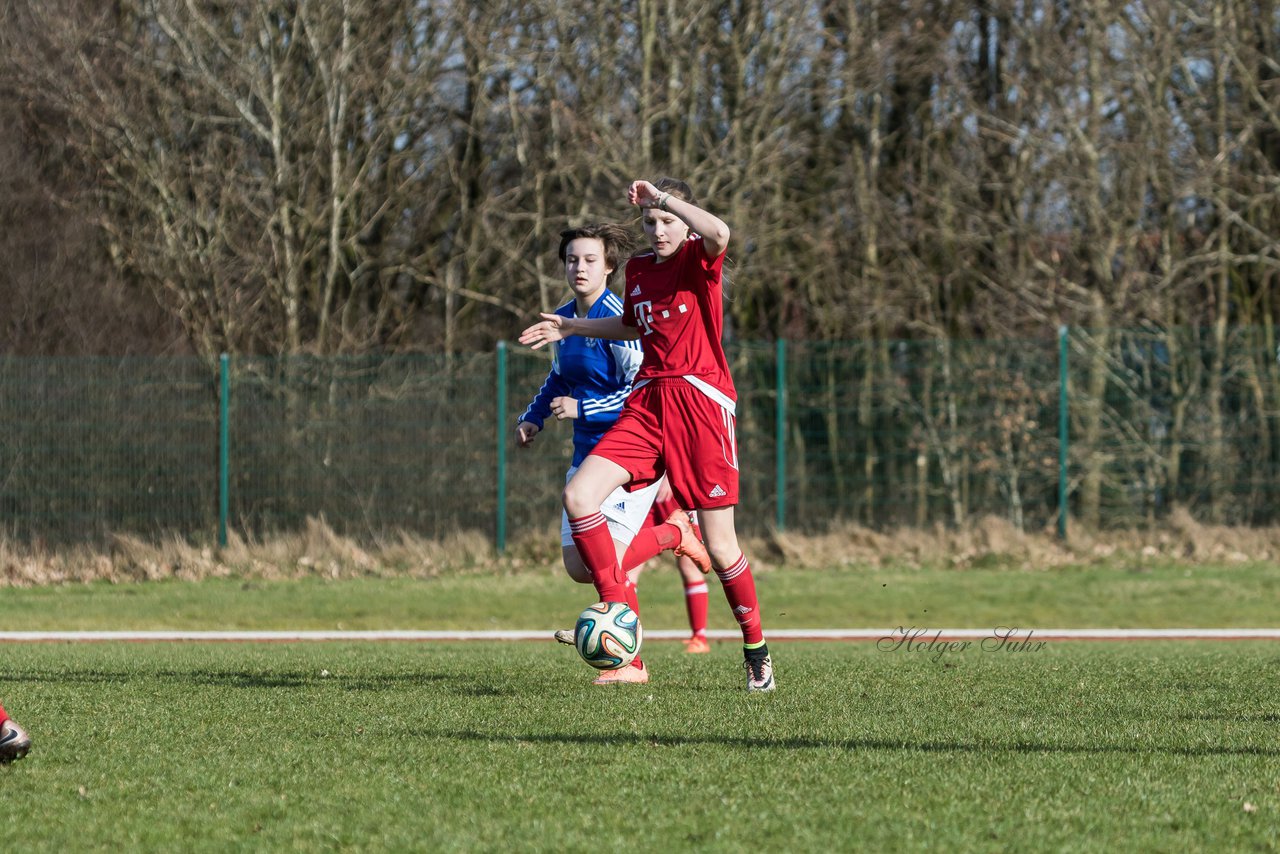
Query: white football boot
point(14, 741)
point(759, 674)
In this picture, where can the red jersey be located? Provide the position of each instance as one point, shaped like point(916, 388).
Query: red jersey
point(677, 307)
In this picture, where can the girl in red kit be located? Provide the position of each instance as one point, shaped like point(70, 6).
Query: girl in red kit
point(588, 384)
point(680, 417)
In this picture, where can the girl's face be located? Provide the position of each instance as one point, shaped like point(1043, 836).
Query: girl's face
point(666, 232)
point(585, 267)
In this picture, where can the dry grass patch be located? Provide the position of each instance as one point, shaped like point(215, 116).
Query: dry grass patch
point(993, 542)
point(318, 551)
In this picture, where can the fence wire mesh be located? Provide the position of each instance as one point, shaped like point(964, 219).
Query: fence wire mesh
point(914, 433)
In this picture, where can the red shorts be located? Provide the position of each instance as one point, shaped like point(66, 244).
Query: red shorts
point(670, 426)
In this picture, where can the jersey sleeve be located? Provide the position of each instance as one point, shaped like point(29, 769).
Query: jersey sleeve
point(710, 269)
point(540, 408)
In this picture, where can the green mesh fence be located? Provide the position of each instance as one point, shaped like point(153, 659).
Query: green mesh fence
point(878, 433)
point(1168, 418)
point(92, 446)
point(376, 445)
point(913, 433)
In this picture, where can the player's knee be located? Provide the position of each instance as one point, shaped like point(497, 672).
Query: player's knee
point(724, 551)
point(577, 501)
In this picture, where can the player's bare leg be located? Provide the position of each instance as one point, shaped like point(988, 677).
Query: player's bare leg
point(591, 484)
point(695, 603)
point(583, 496)
point(578, 571)
point(739, 585)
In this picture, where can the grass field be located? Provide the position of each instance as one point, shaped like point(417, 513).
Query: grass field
point(431, 747)
point(1149, 596)
point(1080, 746)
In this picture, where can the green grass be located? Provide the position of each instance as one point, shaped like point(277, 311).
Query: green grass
point(1156, 596)
point(463, 747)
point(459, 747)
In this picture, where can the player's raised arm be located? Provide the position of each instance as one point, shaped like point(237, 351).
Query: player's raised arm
point(712, 229)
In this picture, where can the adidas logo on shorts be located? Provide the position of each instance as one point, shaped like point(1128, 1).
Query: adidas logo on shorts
point(717, 492)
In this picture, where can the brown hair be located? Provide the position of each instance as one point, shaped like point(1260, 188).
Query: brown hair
point(617, 241)
point(677, 188)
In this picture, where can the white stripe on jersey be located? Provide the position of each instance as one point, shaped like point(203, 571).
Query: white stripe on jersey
point(627, 355)
point(613, 302)
point(714, 393)
point(605, 404)
point(731, 436)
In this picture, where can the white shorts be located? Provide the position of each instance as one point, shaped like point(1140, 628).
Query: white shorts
point(626, 512)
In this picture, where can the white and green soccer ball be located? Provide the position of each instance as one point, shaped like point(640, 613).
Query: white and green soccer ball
point(608, 635)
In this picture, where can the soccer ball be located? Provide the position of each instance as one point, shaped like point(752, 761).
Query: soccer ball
point(608, 635)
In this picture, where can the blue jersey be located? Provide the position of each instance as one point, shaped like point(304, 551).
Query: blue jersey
point(593, 371)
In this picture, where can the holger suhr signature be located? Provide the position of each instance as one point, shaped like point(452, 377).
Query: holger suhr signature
point(931, 642)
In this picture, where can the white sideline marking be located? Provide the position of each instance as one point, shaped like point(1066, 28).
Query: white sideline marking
point(657, 634)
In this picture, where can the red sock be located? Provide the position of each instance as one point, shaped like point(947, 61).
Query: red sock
point(740, 590)
point(695, 604)
point(633, 599)
point(4, 716)
point(595, 547)
point(650, 542)
point(633, 602)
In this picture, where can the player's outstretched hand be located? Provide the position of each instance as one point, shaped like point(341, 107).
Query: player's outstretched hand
point(541, 334)
point(642, 194)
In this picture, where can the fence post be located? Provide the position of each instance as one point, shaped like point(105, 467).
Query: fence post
point(1063, 431)
point(780, 436)
point(224, 446)
point(501, 523)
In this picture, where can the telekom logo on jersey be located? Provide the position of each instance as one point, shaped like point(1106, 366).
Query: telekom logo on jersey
point(644, 315)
